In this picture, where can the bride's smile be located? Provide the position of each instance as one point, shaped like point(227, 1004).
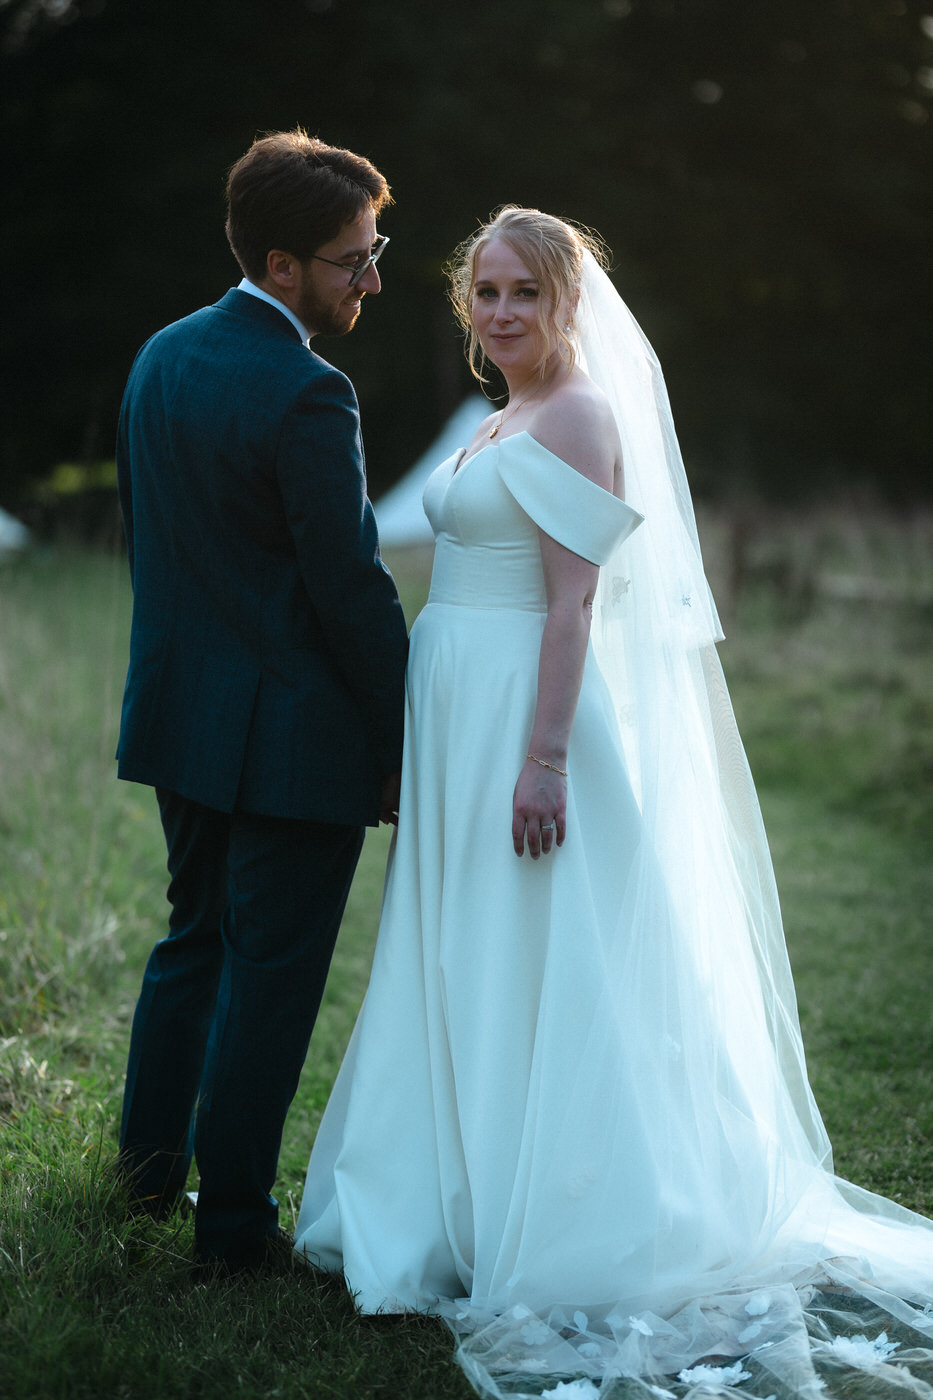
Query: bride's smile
point(510, 313)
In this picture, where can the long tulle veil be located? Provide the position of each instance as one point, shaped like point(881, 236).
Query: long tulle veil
point(655, 634)
point(815, 1276)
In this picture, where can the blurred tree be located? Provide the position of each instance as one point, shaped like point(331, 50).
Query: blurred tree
point(761, 172)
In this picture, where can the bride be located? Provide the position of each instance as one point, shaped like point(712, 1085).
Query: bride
point(574, 1117)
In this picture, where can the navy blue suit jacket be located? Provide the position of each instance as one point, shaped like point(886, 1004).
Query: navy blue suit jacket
point(268, 645)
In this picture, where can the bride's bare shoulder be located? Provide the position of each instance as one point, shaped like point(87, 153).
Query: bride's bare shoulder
point(575, 422)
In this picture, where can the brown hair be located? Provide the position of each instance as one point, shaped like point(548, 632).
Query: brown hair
point(294, 192)
point(551, 248)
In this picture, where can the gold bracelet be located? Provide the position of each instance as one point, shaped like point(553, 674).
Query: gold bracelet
point(553, 767)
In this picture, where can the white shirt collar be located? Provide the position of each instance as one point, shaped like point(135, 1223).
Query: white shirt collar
point(247, 286)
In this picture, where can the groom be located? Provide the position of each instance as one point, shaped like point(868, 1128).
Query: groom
point(264, 695)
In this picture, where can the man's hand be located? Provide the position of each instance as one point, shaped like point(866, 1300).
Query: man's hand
point(388, 802)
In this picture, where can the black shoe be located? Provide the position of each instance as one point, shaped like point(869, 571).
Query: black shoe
point(149, 1189)
point(275, 1251)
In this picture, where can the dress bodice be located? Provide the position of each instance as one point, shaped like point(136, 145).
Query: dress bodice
point(486, 547)
point(486, 511)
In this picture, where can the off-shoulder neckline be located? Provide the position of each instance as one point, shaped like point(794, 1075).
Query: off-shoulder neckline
point(463, 460)
point(522, 432)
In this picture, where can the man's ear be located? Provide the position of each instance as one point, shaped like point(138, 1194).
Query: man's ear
point(280, 268)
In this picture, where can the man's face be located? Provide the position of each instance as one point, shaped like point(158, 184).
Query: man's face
point(325, 302)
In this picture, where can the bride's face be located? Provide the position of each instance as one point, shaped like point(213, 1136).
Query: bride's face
point(510, 313)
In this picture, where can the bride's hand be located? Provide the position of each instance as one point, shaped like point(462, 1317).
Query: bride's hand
point(539, 810)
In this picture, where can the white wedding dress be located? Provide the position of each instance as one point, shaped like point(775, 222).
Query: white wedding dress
point(547, 1102)
point(573, 1117)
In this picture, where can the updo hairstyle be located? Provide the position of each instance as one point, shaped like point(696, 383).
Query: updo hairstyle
point(551, 248)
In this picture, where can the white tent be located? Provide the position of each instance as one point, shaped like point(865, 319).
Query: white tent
point(14, 536)
point(399, 513)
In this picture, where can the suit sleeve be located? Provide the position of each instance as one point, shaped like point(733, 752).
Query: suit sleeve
point(124, 479)
point(322, 478)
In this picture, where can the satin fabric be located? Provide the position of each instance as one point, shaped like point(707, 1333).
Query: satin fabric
point(564, 1121)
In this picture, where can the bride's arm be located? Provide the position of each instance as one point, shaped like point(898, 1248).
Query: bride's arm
point(576, 434)
point(540, 795)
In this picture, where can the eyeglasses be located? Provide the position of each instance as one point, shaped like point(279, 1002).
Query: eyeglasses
point(358, 270)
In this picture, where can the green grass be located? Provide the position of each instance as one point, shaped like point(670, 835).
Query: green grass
point(836, 706)
point(835, 701)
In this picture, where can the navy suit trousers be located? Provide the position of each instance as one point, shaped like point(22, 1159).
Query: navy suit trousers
point(224, 1018)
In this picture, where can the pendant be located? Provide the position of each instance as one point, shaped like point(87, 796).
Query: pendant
point(494, 431)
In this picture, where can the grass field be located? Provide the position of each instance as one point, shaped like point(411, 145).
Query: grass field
point(830, 623)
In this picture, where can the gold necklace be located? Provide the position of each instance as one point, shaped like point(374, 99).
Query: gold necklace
point(507, 414)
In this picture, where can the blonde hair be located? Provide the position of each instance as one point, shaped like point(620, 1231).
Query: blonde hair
point(551, 248)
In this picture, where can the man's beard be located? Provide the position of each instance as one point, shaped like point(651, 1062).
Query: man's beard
point(323, 318)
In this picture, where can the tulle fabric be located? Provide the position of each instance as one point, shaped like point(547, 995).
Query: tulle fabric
point(759, 1267)
point(574, 1118)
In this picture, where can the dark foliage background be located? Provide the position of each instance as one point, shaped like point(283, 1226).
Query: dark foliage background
point(760, 169)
